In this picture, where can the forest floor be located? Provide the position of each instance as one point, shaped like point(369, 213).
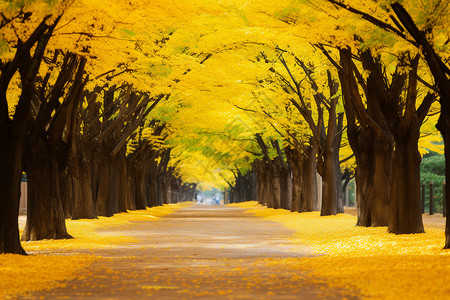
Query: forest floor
point(242, 251)
point(197, 252)
point(434, 221)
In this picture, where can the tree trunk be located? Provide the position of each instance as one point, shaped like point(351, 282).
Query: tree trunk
point(329, 184)
point(406, 210)
point(67, 192)
point(10, 174)
point(283, 172)
point(83, 204)
point(445, 131)
point(273, 187)
point(130, 186)
point(140, 191)
point(258, 165)
point(122, 187)
point(294, 159)
point(373, 180)
point(309, 180)
point(437, 68)
point(103, 205)
point(45, 215)
point(373, 151)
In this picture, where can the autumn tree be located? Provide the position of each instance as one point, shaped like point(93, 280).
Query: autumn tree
point(326, 139)
point(46, 149)
point(25, 53)
point(433, 18)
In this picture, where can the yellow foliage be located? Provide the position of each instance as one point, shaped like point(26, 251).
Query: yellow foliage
point(208, 56)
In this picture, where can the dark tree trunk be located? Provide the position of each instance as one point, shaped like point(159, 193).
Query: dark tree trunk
point(45, 215)
point(166, 189)
point(261, 174)
point(329, 184)
point(373, 180)
point(294, 159)
point(103, 204)
point(329, 167)
point(445, 131)
point(289, 189)
point(10, 176)
point(130, 186)
point(406, 210)
point(122, 184)
point(309, 180)
point(67, 194)
point(159, 191)
point(276, 184)
point(440, 73)
point(83, 204)
point(13, 130)
point(175, 190)
point(140, 191)
point(114, 186)
point(373, 151)
point(254, 186)
point(273, 195)
point(46, 152)
point(284, 195)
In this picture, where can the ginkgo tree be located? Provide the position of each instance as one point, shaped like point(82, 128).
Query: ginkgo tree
point(24, 60)
point(339, 31)
point(201, 91)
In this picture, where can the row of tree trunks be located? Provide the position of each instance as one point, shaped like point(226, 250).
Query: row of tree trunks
point(244, 188)
point(83, 151)
point(441, 74)
point(384, 138)
point(327, 143)
point(27, 60)
point(304, 178)
point(46, 149)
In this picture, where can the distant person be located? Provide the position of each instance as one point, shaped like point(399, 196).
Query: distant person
point(216, 200)
point(199, 199)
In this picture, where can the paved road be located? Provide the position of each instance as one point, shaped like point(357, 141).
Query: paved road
point(199, 252)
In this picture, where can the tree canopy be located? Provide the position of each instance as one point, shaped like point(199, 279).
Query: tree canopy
point(207, 92)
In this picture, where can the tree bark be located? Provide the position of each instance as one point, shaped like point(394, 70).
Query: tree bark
point(373, 148)
point(309, 180)
point(45, 216)
point(406, 210)
point(440, 74)
point(329, 183)
point(294, 159)
point(12, 131)
point(83, 204)
point(10, 176)
point(103, 204)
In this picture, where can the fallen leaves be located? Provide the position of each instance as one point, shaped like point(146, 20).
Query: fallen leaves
point(23, 274)
point(365, 261)
point(20, 274)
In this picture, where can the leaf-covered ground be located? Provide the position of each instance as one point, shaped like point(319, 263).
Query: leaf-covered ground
point(220, 253)
point(208, 252)
point(66, 259)
point(367, 261)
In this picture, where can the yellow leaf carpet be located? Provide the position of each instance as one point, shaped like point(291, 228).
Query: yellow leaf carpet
point(21, 274)
point(367, 262)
